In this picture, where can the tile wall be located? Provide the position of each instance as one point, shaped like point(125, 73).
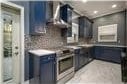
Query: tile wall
point(51, 39)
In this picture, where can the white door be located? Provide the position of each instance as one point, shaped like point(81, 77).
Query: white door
point(11, 46)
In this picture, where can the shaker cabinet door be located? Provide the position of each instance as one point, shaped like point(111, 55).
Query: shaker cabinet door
point(85, 28)
point(37, 11)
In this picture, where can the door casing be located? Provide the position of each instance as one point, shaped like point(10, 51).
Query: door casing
point(21, 29)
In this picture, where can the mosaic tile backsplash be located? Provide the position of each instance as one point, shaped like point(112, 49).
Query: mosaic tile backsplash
point(51, 39)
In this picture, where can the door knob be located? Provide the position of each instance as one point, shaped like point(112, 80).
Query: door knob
point(16, 53)
point(16, 47)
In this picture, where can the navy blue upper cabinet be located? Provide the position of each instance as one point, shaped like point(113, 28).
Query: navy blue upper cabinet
point(39, 14)
point(85, 27)
point(66, 15)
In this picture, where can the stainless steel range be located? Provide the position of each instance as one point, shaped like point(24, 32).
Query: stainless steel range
point(65, 64)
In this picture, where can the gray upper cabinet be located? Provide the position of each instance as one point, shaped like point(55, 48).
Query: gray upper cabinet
point(85, 27)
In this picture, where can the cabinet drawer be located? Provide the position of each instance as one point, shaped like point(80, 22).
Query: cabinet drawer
point(47, 58)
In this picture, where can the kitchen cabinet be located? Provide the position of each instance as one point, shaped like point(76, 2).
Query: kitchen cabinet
point(31, 66)
point(48, 70)
point(40, 12)
point(82, 57)
point(112, 54)
point(77, 54)
point(85, 27)
point(43, 68)
point(86, 55)
point(66, 15)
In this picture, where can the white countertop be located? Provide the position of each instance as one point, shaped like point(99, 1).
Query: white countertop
point(109, 45)
point(87, 45)
point(91, 45)
point(41, 52)
point(74, 47)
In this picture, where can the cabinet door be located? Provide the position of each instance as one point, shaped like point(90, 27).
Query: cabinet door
point(114, 54)
point(88, 29)
point(66, 13)
point(63, 13)
point(81, 60)
point(81, 27)
point(89, 26)
point(49, 10)
point(69, 20)
point(76, 62)
point(37, 16)
point(85, 27)
point(98, 52)
point(69, 32)
point(31, 66)
point(47, 71)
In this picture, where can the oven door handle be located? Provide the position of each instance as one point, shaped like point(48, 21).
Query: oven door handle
point(64, 57)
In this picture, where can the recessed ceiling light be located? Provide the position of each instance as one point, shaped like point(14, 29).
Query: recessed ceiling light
point(95, 12)
point(84, 1)
point(113, 6)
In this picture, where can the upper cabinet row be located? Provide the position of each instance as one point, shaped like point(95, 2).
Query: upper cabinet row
point(38, 14)
point(44, 12)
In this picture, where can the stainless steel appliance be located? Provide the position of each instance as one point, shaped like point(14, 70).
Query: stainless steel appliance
point(65, 64)
point(57, 20)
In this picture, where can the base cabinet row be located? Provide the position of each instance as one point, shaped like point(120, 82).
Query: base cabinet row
point(111, 54)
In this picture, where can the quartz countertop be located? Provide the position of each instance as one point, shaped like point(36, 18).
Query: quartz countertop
point(91, 45)
point(41, 52)
point(73, 47)
point(110, 45)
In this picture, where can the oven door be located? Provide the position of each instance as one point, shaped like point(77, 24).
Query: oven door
point(65, 66)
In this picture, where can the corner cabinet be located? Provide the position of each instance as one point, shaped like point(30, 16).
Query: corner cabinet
point(85, 27)
point(39, 12)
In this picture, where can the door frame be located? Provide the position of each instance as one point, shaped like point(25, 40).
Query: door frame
point(22, 56)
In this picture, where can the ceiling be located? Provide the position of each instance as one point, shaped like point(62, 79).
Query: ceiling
point(103, 7)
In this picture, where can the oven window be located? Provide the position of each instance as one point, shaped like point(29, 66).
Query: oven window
point(65, 64)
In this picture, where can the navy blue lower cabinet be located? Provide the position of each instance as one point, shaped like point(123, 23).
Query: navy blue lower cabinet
point(48, 70)
point(77, 54)
point(31, 66)
point(79, 59)
point(42, 69)
point(111, 54)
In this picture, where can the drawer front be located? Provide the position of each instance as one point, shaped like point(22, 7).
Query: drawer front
point(47, 58)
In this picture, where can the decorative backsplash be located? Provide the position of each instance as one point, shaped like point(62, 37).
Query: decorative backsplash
point(51, 39)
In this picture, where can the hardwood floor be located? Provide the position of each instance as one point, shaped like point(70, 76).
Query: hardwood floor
point(98, 72)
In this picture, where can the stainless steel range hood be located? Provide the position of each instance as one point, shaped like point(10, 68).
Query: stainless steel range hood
point(56, 20)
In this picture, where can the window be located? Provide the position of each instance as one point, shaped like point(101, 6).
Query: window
point(107, 33)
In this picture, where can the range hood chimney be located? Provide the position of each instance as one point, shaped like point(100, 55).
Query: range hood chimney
point(56, 20)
